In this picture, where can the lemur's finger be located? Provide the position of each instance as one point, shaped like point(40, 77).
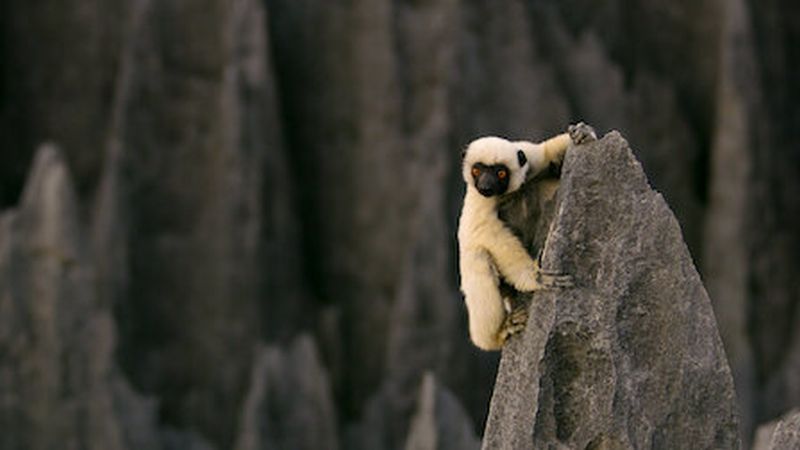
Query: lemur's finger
point(509, 331)
point(514, 323)
point(550, 272)
point(581, 133)
point(506, 333)
point(561, 283)
point(518, 316)
point(555, 280)
point(564, 282)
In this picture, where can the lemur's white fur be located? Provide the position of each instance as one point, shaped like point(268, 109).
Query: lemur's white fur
point(487, 246)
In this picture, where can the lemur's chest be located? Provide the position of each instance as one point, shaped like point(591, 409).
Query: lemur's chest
point(526, 206)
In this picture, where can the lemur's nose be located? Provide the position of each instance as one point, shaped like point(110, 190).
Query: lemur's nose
point(487, 184)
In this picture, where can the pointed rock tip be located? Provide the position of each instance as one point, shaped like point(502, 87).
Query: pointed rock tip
point(48, 174)
point(48, 213)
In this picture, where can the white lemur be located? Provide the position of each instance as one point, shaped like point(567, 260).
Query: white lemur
point(494, 167)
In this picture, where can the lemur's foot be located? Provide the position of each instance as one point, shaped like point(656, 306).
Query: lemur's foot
point(554, 280)
point(514, 322)
point(544, 280)
point(549, 279)
point(581, 133)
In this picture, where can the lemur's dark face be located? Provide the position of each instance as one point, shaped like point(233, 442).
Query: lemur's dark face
point(490, 180)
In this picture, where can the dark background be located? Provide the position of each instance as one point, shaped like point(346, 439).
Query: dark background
point(247, 172)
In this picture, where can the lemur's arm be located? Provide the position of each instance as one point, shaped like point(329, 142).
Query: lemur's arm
point(512, 260)
point(543, 154)
point(555, 148)
point(552, 151)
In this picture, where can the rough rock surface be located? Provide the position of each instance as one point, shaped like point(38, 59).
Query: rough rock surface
point(631, 356)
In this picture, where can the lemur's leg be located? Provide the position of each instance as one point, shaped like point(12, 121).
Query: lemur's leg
point(480, 286)
point(511, 259)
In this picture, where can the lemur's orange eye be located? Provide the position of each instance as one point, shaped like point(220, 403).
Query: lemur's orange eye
point(502, 174)
point(475, 172)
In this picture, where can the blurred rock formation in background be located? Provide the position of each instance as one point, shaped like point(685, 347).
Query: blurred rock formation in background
point(227, 194)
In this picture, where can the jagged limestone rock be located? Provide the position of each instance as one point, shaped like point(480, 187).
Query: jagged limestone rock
point(289, 403)
point(763, 436)
point(726, 256)
point(781, 434)
point(631, 356)
point(787, 433)
point(773, 214)
point(180, 228)
point(55, 347)
point(440, 422)
point(58, 383)
point(438, 419)
point(425, 334)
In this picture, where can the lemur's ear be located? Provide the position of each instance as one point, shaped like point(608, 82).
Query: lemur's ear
point(521, 158)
